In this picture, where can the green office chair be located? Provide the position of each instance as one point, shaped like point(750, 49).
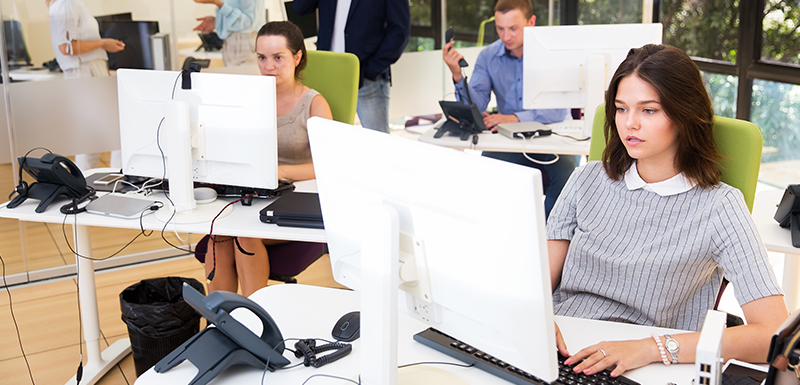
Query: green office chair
point(487, 24)
point(335, 76)
point(738, 141)
point(487, 31)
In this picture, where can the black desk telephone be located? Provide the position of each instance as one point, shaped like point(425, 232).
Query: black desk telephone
point(788, 214)
point(55, 176)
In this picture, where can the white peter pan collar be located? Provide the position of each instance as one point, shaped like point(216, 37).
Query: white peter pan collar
point(676, 185)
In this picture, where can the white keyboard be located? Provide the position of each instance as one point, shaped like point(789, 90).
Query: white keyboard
point(567, 126)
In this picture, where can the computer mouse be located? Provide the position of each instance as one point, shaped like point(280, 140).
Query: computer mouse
point(347, 327)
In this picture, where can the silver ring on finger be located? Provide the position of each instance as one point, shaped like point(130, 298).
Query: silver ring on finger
point(603, 352)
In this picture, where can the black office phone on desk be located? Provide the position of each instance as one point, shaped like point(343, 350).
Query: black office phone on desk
point(55, 175)
point(788, 214)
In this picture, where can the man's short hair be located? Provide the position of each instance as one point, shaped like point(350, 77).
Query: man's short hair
point(524, 6)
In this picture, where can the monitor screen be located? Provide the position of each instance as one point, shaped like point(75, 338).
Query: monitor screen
point(231, 122)
point(469, 228)
point(104, 21)
point(16, 51)
point(307, 23)
point(138, 52)
point(571, 66)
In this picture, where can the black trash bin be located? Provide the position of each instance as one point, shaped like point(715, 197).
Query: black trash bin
point(158, 318)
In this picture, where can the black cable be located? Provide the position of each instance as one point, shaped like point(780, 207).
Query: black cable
point(79, 373)
point(75, 224)
point(266, 366)
point(14, 318)
point(466, 86)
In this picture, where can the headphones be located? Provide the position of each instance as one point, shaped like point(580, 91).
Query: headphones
point(308, 349)
point(22, 186)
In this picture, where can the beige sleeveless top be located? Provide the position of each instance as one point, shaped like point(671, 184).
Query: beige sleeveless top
point(293, 147)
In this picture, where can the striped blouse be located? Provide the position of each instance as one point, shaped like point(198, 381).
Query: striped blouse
point(642, 258)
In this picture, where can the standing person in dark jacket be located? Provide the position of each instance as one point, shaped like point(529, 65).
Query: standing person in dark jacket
point(377, 32)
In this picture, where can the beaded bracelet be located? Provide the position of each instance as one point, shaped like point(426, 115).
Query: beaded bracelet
point(661, 350)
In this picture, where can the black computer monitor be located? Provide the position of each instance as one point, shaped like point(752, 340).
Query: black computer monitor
point(104, 21)
point(138, 52)
point(307, 23)
point(16, 51)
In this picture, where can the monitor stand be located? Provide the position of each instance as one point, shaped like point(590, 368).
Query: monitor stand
point(380, 275)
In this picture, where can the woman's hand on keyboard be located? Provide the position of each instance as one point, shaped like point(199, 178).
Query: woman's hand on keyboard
point(622, 355)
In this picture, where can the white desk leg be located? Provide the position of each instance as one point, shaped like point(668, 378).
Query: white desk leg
point(791, 280)
point(97, 362)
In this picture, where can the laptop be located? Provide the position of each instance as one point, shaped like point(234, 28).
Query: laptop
point(120, 206)
point(294, 209)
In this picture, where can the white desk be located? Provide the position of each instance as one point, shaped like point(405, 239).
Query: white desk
point(310, 312)
point(778, 239)
point(34, 73)
point(243, 221)
point(552, 144)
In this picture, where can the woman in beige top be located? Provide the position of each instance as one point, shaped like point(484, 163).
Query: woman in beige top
point(281, 53)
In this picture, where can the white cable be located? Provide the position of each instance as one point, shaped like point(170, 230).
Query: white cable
point(114, 189)
point(546, 162)
point(175, 230)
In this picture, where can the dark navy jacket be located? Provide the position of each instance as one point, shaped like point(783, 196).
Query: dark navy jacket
point(377, 31)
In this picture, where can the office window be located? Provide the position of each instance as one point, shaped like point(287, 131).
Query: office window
point(776, 110)
point(425, 20)
point(780, 33)
point(722, 91)
point(705, 29)
point(608, 12)
point(465, 16)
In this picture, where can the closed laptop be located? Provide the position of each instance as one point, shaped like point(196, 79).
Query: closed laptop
point(294, 209)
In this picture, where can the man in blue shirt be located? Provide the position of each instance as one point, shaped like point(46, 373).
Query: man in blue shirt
point(237, 23)
point(499, 69)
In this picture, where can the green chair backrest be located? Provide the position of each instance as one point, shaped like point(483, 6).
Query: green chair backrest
point(488, 23)
point(738, 141)
point(335, 76)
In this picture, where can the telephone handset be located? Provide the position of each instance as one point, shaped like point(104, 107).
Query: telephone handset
point(55, 175)
point(229, 342)
point(448, 37)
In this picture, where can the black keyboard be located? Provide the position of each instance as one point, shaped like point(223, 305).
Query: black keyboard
point(484, 361)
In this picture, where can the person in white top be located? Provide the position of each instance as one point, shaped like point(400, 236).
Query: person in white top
point(81, 53)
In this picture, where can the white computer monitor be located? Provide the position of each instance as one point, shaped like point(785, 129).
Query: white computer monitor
point(571, 66)
point(468, 239)
point(223, 130)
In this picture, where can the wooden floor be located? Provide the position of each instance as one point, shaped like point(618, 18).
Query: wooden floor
point(47, 315)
